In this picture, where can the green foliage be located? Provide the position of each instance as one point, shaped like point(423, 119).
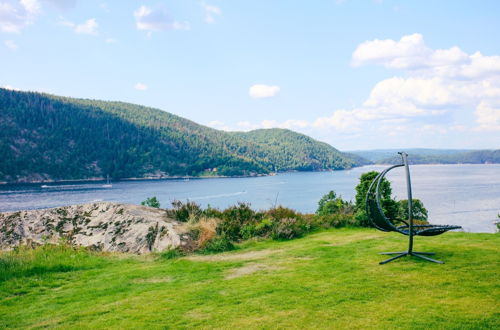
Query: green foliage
point(389, 206)
point(235, 219)
point(288, 228)
point(220, 243)
point(419, 212)
point(151, 202)
point(331, 204)
point(50, 137)
point(184, 211)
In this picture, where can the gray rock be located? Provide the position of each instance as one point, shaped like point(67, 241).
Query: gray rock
point(102, 226)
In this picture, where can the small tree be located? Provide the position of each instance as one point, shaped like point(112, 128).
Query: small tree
point(330, 204)
point(151, 202)
point(419, 212)
point(390, 206)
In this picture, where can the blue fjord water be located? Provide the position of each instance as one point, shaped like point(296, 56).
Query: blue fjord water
point(466, 195)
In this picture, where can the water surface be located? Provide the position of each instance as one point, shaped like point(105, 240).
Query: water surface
point(466, 195)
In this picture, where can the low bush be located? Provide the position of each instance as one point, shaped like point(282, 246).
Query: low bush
point(151, 202)
point(287, 228)
point(219, 243)
point(235, 219)
point(184, 212)
point(213, 230)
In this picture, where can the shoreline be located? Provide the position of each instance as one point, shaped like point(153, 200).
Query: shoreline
point(187, 177)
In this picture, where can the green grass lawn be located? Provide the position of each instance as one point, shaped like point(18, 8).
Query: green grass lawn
point(330, 279)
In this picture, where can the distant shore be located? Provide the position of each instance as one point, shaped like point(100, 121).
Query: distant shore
point(188, 177)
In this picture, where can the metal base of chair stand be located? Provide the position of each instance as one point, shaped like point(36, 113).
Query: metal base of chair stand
point(415, 254)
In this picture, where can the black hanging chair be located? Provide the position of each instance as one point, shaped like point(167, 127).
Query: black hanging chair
point(381, 222)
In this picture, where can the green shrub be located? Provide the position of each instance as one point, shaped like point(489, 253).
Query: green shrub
point(234, 220)
point(287, 228)
point(248, 231)
point(282, 212)
point(151, 202)
point(219, 243)
point(184, 212)
point(211, 212)
point(264, 227)
point(337, 220)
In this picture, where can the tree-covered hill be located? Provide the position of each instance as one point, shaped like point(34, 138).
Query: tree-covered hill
point(46, 137)
point(289, 150)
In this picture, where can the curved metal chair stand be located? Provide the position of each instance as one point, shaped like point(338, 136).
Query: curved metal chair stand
point(381, 222)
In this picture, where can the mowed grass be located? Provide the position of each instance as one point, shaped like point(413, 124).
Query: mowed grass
point(330, 279)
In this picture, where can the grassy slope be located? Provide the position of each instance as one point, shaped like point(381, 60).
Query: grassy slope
point(325, 280)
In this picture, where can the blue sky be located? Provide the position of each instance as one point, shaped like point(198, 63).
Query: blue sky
point(355, 74)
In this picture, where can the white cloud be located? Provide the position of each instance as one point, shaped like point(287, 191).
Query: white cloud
point(411, 53)
point(110, 40)
point(340, 119)
point(210, 12)
point(9, 87)
point(16, 15)
point(263, 91)
point(140, 86)
point(431, 100)
point(488, 116)
point(90, 26)
point(438, 82)
point(10, 44)
point(217, 124)
point(154, 20)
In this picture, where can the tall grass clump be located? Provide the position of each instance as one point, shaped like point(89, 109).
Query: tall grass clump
point(25, 261)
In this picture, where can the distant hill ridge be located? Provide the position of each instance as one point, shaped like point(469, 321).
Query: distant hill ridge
point(45, 137)
point(433, 156)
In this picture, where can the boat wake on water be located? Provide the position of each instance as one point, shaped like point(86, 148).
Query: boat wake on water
point(218, 195)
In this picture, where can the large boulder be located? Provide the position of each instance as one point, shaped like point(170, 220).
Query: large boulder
point(102, 226)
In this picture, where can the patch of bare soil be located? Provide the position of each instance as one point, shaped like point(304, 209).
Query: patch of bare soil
point(154, 280)
point(252, 255)
point(248, 269)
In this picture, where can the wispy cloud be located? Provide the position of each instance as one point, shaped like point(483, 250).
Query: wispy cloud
point(259, 91)
point(140, 86)
point(16, 15)
point(90, 26)
point(210, 12)
point(154, 20)
point(10, 44)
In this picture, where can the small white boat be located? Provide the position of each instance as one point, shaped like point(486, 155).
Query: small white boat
point(45, 186)
point(108, 184)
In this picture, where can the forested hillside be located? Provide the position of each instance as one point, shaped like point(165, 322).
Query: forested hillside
point(45, 137)
point(289, 150)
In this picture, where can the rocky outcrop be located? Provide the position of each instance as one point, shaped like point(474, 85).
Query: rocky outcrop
point(100, 226)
